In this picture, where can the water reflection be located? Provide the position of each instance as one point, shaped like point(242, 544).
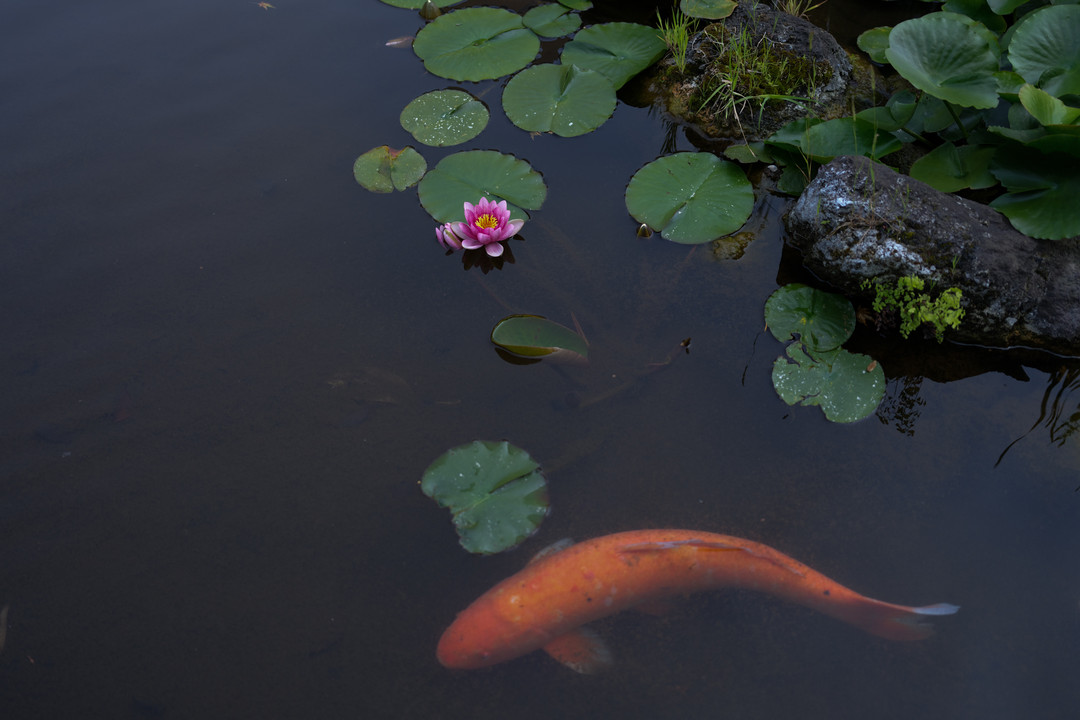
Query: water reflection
point(1059, 411)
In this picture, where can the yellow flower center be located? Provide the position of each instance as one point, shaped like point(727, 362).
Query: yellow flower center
point(487, 222)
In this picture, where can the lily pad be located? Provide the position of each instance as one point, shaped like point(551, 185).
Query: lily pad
point(534, 336)
point(417, 4)
point(476, 44)
point(444, 117)
point(1046, 108)
point(577, 4)
point(562, 99)
point(468, 176)
point(618, 50)
point(1045, 49)
point(708, 9)
point(1043, 188)
point(494, 490)
point(847, 386)
point(949, 56)
point(552, 20)
point(384, 169)
point(821, 320)
point(690, 197)
point(949, 168)
point(874, 42)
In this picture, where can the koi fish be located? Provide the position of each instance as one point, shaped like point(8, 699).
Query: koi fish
point(547, 603)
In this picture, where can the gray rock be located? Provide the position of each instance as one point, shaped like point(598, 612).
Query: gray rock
point(859, 220)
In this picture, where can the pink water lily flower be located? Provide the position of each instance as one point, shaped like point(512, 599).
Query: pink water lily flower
point(447, 238)
point(486, 224)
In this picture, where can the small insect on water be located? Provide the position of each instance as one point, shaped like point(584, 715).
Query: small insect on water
point(264, 5)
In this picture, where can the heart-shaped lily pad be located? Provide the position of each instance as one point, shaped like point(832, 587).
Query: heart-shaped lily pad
point(618, 50)
point(690, 197)
point(552, 20)
point(384, 169)
point(847, 386)
point(534, 336)
point(494, 490)
point(562, 99)
point(473, 174)
point(444, 117)
point(476, 44)
point(821, 320)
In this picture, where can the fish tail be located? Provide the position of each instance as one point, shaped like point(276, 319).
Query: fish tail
point(899, 622)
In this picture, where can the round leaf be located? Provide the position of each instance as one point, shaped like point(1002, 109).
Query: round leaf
point(874, 42)
point(495, 492)
point(468, 176)
point(444, 117)
point(847, 386)
point(708, 9)
point(949, 56)
point(476, 44)
point(384, 170)
point(949, 168)
point(1045, 49)
point(690, 197)
point(821, 320)
point(534, 336)
point(552, 20)
point(618, 50)
point(562, 99)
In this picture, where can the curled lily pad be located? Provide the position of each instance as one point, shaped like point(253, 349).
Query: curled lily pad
point(476, 44)
point(534, 336)
point(847, 386)
point(562, 99)
point(618, 50)
point(384, 169)
point(444, 117)
point(690, 197)
point(494, 491)
point(473, 174)
point(821, 320)
point(552, 20)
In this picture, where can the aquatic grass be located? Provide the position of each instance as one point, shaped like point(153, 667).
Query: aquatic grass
point(798, 8)
point(676, 33)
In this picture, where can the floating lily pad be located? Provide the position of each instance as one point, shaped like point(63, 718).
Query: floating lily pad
point(468, 176)
point(476, 44)
point(821, 320)
point(690, 197)
point(534, 336)
point(708, 9)
point(562, 99)
point(949, 56)
point(1045, 49)
point(949, 168)
point(384, 169)
point(618, 50)
point(495, 492)
point(444, 117)
point(552, 20)
point(847, 386)
point(577, 4)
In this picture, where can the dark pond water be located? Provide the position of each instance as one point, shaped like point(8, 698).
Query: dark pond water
point(225, 367)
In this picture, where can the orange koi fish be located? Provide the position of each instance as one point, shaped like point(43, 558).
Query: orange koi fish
point(547, 603)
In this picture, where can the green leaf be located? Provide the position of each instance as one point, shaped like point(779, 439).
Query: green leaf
point(1046, 108)
point(949, 168)
point(949, 56)
point(708, 9)
point(552, 20)
point(847, 386)
point(1045, 49)
point(534, 336)
point(562, 99)
point(822, 141)
point(444, 117)
point(470, 175)
point(576, 4)
point(384, 170)
point(618, 50)
point(977, 10)
point(417, 4)
point(821, 320)
point(495, 492)
point(690, 197)
point(874, 42)
point(1043, 189)
point(476, 44)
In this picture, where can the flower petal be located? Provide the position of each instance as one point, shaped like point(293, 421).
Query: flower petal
point(514, 227)
point(494, 249)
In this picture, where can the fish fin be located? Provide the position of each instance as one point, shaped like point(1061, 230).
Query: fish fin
point(938, 609)
point(581, 650)
point(661, 545)
point(551, 549)
point(897, 622)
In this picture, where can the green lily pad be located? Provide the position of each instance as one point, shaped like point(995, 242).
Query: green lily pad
point(847, 386)
point(384, 169)
point(552, 20)
point(1046, 108)
point(1043, 189)
point(690, 197)
point(874, 42)
point(534, 336)
point(821, 141)
point(1045, 49)
point(444, 117)
point(618, 50)
point(468, 176)
point(821, 320)
point(495, 492)
point(476, 44)
point(708, 9)
point(949, 168)
point(949, 56)
point(417, 4)
point(577, 4)
point(562, 99)
point(977, 10)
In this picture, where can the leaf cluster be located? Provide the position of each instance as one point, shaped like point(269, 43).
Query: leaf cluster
point(915, 307)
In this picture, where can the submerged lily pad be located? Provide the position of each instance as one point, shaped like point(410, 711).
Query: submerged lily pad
point(494, 490)
point(476, 44)
point(562, 99)
point(847, 386)
point(690, 197)
point(618, 50)
point(384, 169)
point(444, 117)
point(534, 336)
point(821, 320)
point(468, 176)
point(552, 20)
